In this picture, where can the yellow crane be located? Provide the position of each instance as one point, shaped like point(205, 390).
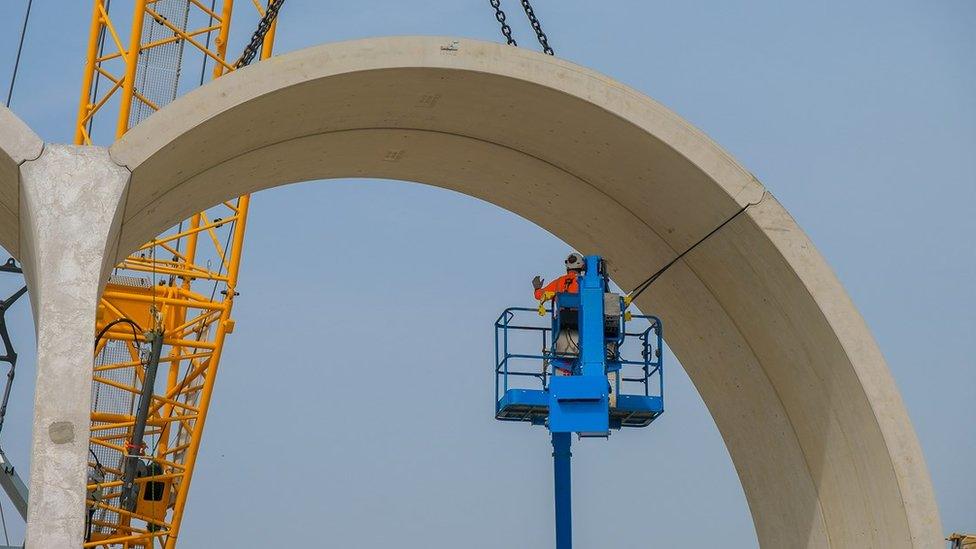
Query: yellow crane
point(961, 541)
point(167, 307)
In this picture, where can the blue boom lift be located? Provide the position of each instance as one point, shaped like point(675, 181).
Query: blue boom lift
point(581, 375)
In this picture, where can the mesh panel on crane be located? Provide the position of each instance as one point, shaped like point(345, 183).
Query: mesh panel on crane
point(158, 69)
point(110, 399)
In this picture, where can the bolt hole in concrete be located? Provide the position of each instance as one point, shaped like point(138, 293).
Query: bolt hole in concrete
point(61, 432)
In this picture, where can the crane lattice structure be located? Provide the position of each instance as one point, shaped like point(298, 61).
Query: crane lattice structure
point(167, 307)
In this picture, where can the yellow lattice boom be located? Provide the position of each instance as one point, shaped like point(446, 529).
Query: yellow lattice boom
point(183, 282)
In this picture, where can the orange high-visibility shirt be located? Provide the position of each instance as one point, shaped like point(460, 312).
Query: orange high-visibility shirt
point(567, 283)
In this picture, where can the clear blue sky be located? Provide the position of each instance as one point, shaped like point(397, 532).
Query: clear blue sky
point(353, 413)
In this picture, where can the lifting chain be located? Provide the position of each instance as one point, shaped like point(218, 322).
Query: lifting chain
point(537, 27)
point(257, 39)
point(500, 16)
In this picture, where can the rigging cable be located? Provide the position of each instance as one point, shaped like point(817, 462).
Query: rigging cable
point(639, 289)
point(223, 258)
point(203, 68)
point(250, 52)
point(203, 72)
point(20, 48)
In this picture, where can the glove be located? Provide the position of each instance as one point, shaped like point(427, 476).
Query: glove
point(537, 282)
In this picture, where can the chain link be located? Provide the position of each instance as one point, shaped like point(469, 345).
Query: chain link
point(537, 27)
point(500, 16)
point(257, 39)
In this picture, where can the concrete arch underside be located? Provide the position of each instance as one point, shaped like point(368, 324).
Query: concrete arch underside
point(789, 371)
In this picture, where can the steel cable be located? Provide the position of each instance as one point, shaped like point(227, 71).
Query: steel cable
point(639, 289)
point(20, 48)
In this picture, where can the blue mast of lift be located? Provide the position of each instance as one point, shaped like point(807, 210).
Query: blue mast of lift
point(580, 402)
point(562, 481)
point(577, 396)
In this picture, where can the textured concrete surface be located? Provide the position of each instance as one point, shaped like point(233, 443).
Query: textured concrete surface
point(795, 382)
point(18, 143)
point(71, 200)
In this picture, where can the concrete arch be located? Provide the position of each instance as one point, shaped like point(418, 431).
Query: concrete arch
point(789, 371)
point(18, 144)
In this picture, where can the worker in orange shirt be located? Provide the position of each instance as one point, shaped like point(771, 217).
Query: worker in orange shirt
point(567, 283)
point(567, 343)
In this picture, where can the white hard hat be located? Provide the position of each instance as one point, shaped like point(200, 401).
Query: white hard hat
point(574, 262)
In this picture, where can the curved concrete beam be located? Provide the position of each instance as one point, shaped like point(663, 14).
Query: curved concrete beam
point(18, 144)
point(789, 371)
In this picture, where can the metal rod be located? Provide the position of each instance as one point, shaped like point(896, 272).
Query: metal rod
point(11, 355)
point(12, 484)
point(131, 64)
point(130, 490)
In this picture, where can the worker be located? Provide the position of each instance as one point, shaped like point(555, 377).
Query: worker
point(567, 341)
point(567, 283)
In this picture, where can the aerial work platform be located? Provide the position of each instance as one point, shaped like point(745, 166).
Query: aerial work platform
point(636, 400)
point(599, 367)
point(532, 405)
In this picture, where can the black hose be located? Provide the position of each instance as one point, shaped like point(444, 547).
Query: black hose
point(136, 330)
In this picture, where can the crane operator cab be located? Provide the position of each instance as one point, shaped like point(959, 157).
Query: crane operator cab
point(578, 363)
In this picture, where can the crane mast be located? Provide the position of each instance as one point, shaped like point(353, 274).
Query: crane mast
point(177, 290)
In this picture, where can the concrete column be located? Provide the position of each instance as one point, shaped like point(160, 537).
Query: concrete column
point(71, 202)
